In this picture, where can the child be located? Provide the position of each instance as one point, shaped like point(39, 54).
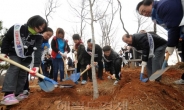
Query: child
point(113, 61)
point(60, 48)
point(46, 36)
point(19, 43)
point(47, 65)
point(83, 58)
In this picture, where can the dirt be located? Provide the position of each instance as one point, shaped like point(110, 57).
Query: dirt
point(129, 94)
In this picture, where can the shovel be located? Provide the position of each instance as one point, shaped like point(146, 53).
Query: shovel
point(141, 75)
point(76, 76)
point(65, 69)
point(158, 73)
point(47, 84)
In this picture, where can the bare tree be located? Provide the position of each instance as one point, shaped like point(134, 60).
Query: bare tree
point(94, 18)
point(50, 8)
point(119, 3)
point(81, 14)
point(106, 26)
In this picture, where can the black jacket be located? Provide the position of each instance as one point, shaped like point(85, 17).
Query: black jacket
point(140, 42)
point(111, 60)
point(98, 53)
point(28, 40)
point(82, 56)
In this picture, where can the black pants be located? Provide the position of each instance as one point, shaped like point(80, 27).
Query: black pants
point(26, 86)
point(86, 74)
point(100, 69)
point(116, 66)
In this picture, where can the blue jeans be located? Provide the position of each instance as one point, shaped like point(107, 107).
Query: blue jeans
point(58, 65)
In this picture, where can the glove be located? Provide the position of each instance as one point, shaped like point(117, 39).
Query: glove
point(64, 54)
point(4, 55)
point(143, 63)
point(170, 50)
point(34, 71)
point(95, 63)
point(75, 52)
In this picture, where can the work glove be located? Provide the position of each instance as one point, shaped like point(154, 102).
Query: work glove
point(143, 63)
point(34, 71)
point(170, 50)
point(4, 55)
point(75, 52)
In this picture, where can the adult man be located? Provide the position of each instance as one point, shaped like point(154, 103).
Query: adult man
point(168, 14)
point(153, 50)
point(97, 57)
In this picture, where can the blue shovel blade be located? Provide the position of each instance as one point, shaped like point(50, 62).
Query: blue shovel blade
point(46, 86)
point(50, 80)
point(143, 79)
point(75, 76)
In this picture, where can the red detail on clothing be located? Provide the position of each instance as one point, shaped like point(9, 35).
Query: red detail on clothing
point(77, 45)
point(5, 57)
point(53, 53)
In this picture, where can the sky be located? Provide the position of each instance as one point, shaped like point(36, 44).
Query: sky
point(19, 11)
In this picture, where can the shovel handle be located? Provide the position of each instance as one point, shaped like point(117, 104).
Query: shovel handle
point(142, 69)
point(84, 71)
point(20, 66)
point(167, 56)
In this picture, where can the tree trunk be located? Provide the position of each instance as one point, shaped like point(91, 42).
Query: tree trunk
point(95, 85)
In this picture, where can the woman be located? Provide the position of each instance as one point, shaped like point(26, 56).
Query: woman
point(19, 43)
point(60, 49)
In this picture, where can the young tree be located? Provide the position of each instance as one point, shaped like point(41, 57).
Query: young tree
point(94, 18)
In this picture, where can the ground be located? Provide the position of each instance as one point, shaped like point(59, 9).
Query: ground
point(130, 94)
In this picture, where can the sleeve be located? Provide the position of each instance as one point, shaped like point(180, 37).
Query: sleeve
point(53, 46)
point(7, 40)
point(67, 48)
point(145, 51)
point(80, 52)
point(170, 12)
point(99, 53)
point(37, 53)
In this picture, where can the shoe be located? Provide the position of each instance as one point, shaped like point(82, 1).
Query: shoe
point(56, 85)
point(22, 96)
point(83, 82)
point(180, 81)
point(108, 77)
point(115, 82)
point(9, 100)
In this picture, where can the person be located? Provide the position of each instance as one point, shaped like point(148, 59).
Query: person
point(46, 36)
point(47, 65)
point(19, 43)
point(112, 62)
point(164, 13)
point(60, 48)
point(97, 57)
point(45, 50)
point(70, 64)
point(153, 50)
point(82, 58)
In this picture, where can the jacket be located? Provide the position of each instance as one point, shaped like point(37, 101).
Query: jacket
point(54, 46)
point(140, 42)
point(98, 53)
point(111, 59)
point(82, 56)
point(169, 13)
point(28, 40)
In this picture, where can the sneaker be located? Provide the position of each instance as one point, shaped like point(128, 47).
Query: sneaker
point(21, 97)
point(108, 77)
point(56, 85)
point(9, 100)
point(115, 82)
point(180, 81)
point(83, 82)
